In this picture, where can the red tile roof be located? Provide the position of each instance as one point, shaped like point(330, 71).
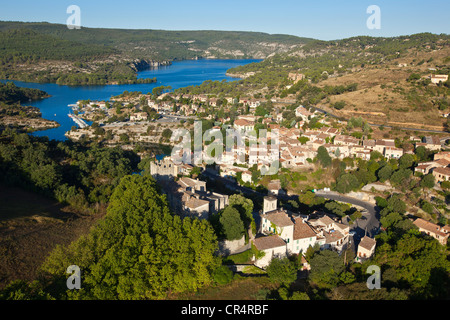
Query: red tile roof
point(269, 242)
point(279, 218)
point(428, 226)
point(367, 243)
point(302, 230)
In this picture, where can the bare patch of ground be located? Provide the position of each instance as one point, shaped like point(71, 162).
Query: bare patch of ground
point(30, 228)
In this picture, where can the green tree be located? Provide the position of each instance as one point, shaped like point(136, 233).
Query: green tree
point(339, 105)
point(139, 250)
point(346, 183)
point(428, 181)
point(282, 271)
point(391, 219)
point(326, 268)
point(423, 154)
point(427, 207)
point(385, 173)
point(231, 223)
point(323, 157)
point(420, 264)
point(401, 177)
point(245, 208)
point(167, 134)
point(406, 161)
point(223, 275)
point(311, 251)
point(395, 204)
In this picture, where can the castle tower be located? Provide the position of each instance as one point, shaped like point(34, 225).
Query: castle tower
point(270, 204)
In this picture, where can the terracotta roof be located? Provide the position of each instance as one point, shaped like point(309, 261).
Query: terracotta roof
point(326, 220)
point(269, 242)
point(369, 143)
point(443, 162)
point(422, 167)
point(302, 230)
point(243, 123)
point(367, 243)
point(386, 143)
point(279, 218)
point(444, 171)
point(428, 226)
point(195, 203)
point(270, 198)
point(333, 236)
point(188, 182)
point(341, 226)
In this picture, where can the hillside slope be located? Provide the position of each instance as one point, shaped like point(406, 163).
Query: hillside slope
point(45, 52)
point(384, 80)
point(171, 45)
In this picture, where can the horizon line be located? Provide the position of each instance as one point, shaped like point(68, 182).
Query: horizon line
point(215, 30)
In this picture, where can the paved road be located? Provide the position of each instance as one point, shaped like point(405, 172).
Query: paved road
point(370, 220)
point(381, 125)
point(177, 117)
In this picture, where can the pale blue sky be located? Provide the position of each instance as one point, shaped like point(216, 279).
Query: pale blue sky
point(320, 19)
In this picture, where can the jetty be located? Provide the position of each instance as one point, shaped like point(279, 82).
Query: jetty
point(78, 121)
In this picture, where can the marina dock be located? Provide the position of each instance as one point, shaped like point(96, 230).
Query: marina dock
point(78, 121)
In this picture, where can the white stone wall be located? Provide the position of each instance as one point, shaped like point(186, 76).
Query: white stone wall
point(301, 245)
point(279, 252)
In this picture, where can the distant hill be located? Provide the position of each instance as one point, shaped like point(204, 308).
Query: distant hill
point(384, 80)
point(44, 52)
point(170, 45)
point(10, 93)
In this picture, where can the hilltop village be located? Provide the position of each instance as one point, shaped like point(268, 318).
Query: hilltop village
point(301, 135)
point(324, 167)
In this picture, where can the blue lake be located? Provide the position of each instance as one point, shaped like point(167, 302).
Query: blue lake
point(179, 74)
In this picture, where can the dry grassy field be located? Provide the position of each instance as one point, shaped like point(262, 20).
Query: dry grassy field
point(379, 98)
point(30, 227)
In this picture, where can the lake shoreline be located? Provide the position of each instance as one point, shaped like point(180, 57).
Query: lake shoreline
point(179, 74)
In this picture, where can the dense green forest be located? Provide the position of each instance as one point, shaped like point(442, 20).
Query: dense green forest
point(10, 93)
point(12, 99)
point(76, 174)
point(92, 56)
point(138, 251)
point(27, 45)
point(163, 45)
point(19, 48)
point(317, 60)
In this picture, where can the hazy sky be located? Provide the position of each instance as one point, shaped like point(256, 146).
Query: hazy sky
point(320, 19)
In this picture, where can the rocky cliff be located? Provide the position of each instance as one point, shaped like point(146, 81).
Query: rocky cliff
point(143, 64)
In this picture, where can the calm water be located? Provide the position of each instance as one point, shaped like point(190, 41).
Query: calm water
point(179, 74)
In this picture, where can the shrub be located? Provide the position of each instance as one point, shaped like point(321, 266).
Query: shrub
point(223, 275)
point(282, 271)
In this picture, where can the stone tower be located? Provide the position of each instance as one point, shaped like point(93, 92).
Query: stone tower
point(270, 204)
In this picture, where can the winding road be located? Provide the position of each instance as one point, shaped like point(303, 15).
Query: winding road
point(371, 124)
point(370, 220)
